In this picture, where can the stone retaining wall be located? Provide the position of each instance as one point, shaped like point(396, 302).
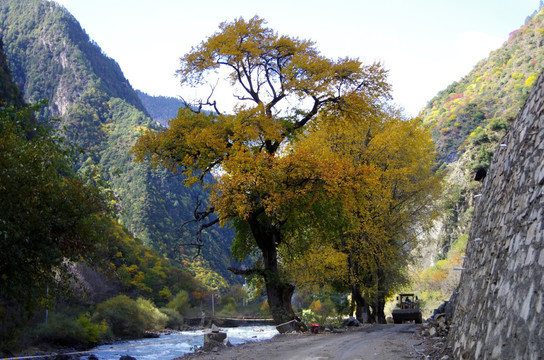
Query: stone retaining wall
point(499, 309)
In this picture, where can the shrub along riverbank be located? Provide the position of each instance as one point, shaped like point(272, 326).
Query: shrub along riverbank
point(117, 318)
point(79, 327)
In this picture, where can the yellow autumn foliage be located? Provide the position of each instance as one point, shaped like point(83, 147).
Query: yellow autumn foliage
point(312, 167)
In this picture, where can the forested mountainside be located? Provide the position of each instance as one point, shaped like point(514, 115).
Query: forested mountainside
point(160, 108)
point(468, 120)
point(56, 225)
point(485, 101)
point(9, 92)
point(51, 57)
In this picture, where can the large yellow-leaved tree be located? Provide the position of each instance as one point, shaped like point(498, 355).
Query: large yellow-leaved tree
point(367, 247)
point(280, 178)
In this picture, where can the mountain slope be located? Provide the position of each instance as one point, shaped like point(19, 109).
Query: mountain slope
point(55, 225)
point(9, 92)
point(51, 57)
point(468, 120)
point(160, 108)
point(490, 96)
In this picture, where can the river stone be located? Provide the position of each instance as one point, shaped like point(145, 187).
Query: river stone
point(215, 329)
point(214, 341)
point(215, 336)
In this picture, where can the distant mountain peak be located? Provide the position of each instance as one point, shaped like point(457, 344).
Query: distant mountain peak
point(160, 108)
point(49, 42)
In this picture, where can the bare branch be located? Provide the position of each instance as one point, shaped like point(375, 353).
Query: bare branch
point(214, 103)
point(188, 105)
point(240, 74)
point(199, 242)
point(242, 97)
point(199, 216)
point(197, 106)
point(268, 79)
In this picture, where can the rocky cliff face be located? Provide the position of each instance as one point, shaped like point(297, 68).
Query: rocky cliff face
point(499, 308)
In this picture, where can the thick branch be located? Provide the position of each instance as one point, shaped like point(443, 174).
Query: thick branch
point(273, 103)
point(207, 225)
point(312, 113)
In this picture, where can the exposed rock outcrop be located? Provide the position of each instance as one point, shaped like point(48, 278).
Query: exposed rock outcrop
point(499, 309)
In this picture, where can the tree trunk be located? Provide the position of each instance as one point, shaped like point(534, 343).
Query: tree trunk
point(378, 308)
point(279, 300)
point(379, 302)
point(362, 310)
point(279, 292)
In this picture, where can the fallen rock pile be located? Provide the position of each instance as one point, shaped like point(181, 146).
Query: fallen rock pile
point(433, 334)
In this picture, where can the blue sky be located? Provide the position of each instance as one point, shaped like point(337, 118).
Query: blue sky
point(425, 44)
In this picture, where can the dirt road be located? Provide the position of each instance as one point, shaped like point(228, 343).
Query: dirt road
point(384, 342)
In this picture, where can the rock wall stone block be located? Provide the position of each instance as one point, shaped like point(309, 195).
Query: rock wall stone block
point(499, 308)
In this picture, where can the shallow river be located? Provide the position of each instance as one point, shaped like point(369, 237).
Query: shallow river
point(177, 343)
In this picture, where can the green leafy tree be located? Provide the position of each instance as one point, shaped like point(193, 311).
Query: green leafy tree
point(47, 212)
point(47, 217)
point(180, 302)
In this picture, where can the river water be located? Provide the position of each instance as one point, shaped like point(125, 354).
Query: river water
point(177, 343)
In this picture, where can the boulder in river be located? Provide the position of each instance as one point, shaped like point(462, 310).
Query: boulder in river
point(214, 341)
